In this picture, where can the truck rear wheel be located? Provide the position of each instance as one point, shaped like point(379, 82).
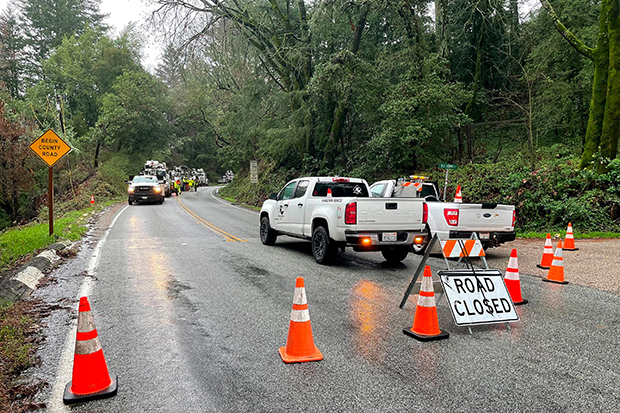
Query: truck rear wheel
point(268, 235)
point(324, 249)
point(395, 254)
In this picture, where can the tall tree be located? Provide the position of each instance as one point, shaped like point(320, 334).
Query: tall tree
point(604, 114)
point(47, 22)
point(12, 56)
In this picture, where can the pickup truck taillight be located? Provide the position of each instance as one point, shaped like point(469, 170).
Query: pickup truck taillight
point(350, 213)
point(425, 214)
point(452, 216)
point(514, 218)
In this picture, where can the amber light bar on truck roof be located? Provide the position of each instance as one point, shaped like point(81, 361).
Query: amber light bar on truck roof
point(418, 177)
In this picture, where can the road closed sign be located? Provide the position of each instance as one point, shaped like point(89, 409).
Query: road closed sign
point(479, 297)
point(50, 147)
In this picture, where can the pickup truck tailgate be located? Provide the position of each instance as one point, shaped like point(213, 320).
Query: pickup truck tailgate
point(485, 217)
point(390, 214)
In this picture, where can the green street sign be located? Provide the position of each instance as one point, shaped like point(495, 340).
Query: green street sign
point(447, 166)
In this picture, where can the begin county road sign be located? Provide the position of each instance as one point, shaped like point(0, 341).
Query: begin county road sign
point(50, 147)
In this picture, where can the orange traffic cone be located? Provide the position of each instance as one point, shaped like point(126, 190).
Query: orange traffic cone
point(299, 343)
point(513, 283)
point(329, 192)
point(569, 241)
point(91, 379)
point(547, 257)
point(92, 199)
point(425, 323)
point(458, 197)
point(556, 273)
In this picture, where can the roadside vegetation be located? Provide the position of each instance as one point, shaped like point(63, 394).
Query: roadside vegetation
point(19, 336)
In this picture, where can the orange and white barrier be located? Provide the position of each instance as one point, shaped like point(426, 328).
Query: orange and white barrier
point(556, 272)
point(512, 281)
point(569, 241)
point(547, 258)
point(300, 343)
point(91, 379)
point(471, 248)
point(458, 197)
point(425, 322)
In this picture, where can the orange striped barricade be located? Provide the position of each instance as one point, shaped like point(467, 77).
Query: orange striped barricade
point(452, 248)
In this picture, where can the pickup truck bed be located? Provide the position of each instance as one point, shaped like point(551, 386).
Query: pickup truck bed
point(493, 223)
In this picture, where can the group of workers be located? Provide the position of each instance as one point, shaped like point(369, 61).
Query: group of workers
point(184, 184)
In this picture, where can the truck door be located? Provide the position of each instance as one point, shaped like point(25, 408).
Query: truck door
point(282, 220)
point(297, 208)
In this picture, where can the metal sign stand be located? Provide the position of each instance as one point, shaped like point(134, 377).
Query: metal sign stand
point(467, 261)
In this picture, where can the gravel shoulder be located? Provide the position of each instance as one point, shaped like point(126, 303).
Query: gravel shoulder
point(596, 264)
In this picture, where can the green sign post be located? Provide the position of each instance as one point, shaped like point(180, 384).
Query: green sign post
point(447, 167)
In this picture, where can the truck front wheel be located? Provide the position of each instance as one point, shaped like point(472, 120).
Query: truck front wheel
point(395, 254)
point(324, 249)
point(268, 235)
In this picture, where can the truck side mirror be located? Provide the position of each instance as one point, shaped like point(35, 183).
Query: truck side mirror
point(273, 196)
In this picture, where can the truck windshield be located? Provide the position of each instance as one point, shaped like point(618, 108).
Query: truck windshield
point(340, 189)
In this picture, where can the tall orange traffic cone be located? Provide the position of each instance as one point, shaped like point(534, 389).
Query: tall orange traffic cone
point(92, 199)
point(458, 197)
point(556, 272)
point(91, 379)
point(547, 257)
point(425, 323)
point(512, 281)
point(569, 241)
point(299, 343)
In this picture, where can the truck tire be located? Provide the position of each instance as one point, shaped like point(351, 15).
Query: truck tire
point(324, 249)
point(395, 254)
point(129, 201)
point(268, 235)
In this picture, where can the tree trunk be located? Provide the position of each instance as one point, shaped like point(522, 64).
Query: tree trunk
point(600, 57)
point(96, 160)
point(611, 121)
point(440, 28)
point(342, 108)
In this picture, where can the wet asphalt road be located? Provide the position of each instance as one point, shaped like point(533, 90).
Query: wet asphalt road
point(191, 309)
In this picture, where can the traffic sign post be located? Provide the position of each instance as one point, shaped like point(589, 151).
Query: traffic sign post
point(254, 172)
point(50, 148)
point(447, 167)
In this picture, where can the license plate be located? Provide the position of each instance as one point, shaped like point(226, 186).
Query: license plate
point(388, 236)
point(145, 197)
point(483, 235)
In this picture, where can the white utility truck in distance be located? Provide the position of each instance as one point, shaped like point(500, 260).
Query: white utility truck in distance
point(493, 223)
point(335, 212)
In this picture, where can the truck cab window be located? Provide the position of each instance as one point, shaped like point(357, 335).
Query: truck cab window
point(302, 187)
point(377, 190)
point(287, 192)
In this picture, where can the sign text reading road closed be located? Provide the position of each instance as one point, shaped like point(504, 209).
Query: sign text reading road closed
point(478, 298)
point(50, 147)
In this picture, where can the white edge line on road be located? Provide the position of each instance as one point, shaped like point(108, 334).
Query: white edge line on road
point(65, 367)
point(231, 205)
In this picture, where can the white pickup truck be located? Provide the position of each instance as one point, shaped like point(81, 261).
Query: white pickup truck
point(493, 223)
point(337, 213)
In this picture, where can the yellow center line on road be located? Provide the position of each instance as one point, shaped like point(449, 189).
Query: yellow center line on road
point(209, 225)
